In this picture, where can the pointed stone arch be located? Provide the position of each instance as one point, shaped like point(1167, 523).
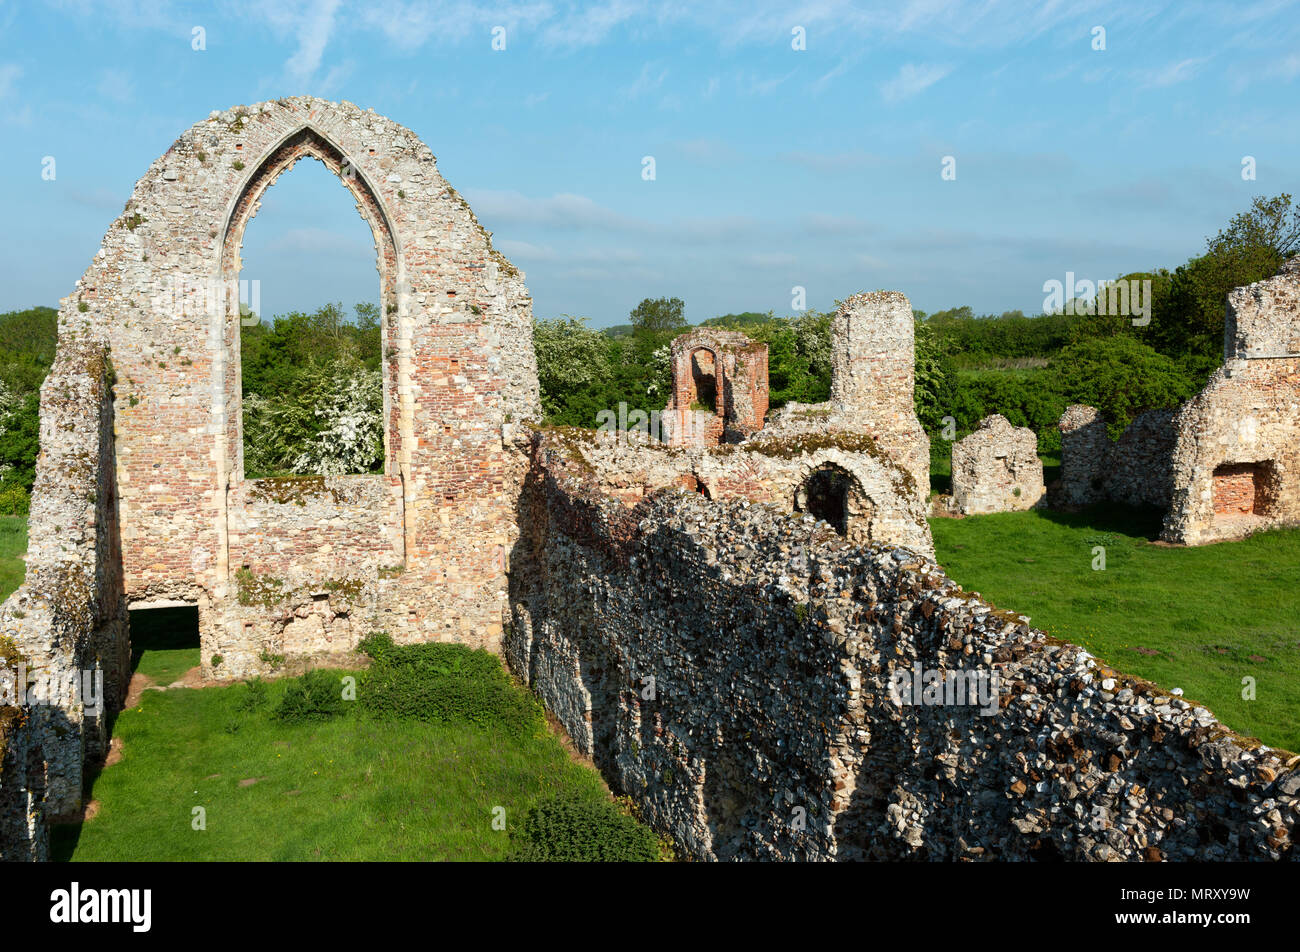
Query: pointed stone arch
point(303, 143)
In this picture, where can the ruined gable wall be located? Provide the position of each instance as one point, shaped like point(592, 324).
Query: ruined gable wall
point(1246, 418)
point(459, 365)
point(771, 642)
point(996, 468)
point(69, 615)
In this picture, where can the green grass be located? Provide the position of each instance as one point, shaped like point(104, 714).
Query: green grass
point(353, 787)
point(13, 546)
point(1201, 618)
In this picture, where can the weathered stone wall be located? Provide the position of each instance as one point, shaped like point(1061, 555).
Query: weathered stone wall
point(1136, 469)
point(459, 372)
point(24, 832)
point(767, 468)
point(1240, 436)
point(1085, 447)
point(996, 468)
point(729, 667)
point(68, 618)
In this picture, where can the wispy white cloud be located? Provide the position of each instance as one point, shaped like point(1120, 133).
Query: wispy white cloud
point(563, 210)
point(912, 80)
point(1288, 68)
point(1175, 73)
point(313, 29)
point(409, 24)
point(753, 83)
point(651, 77)
point(590, 25)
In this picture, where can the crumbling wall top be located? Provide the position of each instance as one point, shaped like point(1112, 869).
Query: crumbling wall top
point(1263, 319)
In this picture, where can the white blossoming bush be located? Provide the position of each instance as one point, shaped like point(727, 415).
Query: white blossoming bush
point(351, 434)
point(332, 426)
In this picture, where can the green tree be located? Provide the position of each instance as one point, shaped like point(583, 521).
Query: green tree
point(1121, 377)
point(660, 315)
point(572, 361)
point(930, 378)
point(1251, 248)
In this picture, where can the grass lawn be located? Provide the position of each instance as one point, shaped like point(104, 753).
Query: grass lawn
point(343, 789)
point(1201, 619)
point(432, 753)
point(13, 546)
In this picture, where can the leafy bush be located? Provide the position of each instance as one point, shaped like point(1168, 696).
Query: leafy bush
point(316, 696)
point(445, 683)
point(1121, 377)
point(572, 827)
point(329, 425)
point(14, 498)
point(1029, 398)
point(376, 644)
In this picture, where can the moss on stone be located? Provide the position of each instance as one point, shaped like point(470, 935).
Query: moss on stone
point(254, 589)
point(294, 489)
point(348, 587)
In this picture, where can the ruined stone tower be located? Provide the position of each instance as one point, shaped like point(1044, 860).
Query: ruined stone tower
point(873, 356)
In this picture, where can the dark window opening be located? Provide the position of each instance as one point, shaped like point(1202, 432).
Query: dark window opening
point(825, 495)
point(164, 642)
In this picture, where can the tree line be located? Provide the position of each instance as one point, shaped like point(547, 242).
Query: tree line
point(313, 395)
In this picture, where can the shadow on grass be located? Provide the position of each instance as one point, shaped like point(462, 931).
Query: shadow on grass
point(63, 841)
point(1142, 521)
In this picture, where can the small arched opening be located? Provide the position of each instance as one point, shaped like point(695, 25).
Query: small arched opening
point(704, 380)
point(832, 494)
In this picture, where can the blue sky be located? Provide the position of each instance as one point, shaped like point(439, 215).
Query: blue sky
point(775, 167)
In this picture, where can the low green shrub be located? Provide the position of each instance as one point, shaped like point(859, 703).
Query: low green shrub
point(444, 684)
point(14, 499)
point(316, 696)
point(572, 827)
point(255, 696)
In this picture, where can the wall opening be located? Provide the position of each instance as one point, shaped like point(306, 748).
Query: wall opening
point(826, 495)
point(311, 368)
point(704, 381)
point(1242, 489)
point(164, 642)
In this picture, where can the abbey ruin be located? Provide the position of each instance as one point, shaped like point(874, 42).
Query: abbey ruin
point(1226, 463)
point(718, 619)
